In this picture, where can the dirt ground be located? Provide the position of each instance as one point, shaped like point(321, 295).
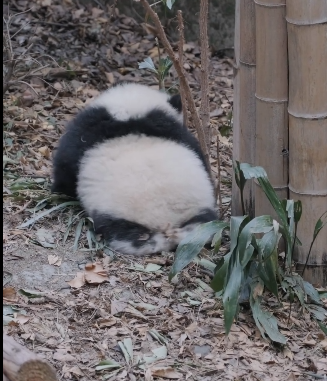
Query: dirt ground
point(97, 315)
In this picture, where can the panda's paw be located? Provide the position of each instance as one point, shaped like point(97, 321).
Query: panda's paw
point(172, 234)
point(176, 235)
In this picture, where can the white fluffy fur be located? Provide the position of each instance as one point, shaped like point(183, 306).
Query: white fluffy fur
point(132, 100)
point(155, 182)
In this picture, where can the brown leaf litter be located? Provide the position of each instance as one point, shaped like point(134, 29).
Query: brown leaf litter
point(118, 318)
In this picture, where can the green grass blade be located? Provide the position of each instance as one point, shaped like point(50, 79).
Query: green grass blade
point(45, 213)
point(78, 233)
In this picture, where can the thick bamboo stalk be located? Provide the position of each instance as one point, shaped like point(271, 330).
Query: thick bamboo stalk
point(307, 40)
point(271, 99)
point(20, 364)
point(244, 99)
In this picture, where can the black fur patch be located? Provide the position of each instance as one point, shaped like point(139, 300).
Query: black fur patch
point(121, 230)
point(176, 102)
point(206, 215)
point(95, 125)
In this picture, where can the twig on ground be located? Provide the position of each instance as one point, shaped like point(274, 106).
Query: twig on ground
point(9, 57)
point(182, 77)
point(180, 58)
point(224, 211)
point(22, 208)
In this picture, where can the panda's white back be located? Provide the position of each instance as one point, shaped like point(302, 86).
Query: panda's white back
point(152, 181)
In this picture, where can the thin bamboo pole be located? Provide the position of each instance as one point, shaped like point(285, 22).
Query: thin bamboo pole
point(244, 98)
point(271, 100)
point(307, 40)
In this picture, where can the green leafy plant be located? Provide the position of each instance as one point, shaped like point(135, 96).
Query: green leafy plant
point(161, 71)
point(252, 266)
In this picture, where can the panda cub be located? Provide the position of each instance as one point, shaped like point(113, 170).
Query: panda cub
point(137, 170)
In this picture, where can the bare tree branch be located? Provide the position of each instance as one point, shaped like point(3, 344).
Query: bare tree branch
point(218, 188)
point(180, 58)
point(182, 77)
point(204, 49)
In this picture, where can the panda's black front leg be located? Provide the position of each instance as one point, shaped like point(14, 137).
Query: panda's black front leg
point(128, 237)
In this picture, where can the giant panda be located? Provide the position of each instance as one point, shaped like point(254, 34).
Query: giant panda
point(136, 169)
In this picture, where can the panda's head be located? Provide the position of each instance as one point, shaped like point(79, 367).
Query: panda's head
point(129, 100)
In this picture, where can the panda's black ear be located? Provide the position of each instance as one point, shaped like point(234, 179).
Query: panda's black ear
point(176, 102)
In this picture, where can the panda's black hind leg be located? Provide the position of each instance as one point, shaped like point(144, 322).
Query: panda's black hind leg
point(119, 229)
point(64, 182)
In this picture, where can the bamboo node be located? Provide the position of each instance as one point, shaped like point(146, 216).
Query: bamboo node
point(308, 116)
point(310, 193)
point(271, 100)
point(246, 63)
point(305, 23)
point(269, 5)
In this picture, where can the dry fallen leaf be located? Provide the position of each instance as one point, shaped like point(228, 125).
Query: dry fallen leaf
point(95, 273)
point(45, 151)
point(166, 372)
point(9, 294)
point(62, 355)
point(21, 319)
point(54, 260)
point(78, 281)
point(106, 322)
point(110, 78)
point(75, 370)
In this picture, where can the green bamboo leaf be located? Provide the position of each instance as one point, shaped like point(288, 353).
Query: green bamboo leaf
point(299, 292)
point(127, 348)
point(311, 292)
point(260, 174)
point(191, 245)
point(262, 224)
point(218, 281)
point(320, 224)
point(318, 312)
point(89, 237)
point(250, 172)
point(148, 64)
point(323, 327)
point(216, 241)
point(169, 3)
point(164, 66)
point(277, 205)
point(205, 263)
point(297, 211)
point(236, 226)
point(269, 256)
point(107, 364)
point(290, 214)
point(32, 293)
point(239, 175)
point(266, 322)
point(231, 295)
